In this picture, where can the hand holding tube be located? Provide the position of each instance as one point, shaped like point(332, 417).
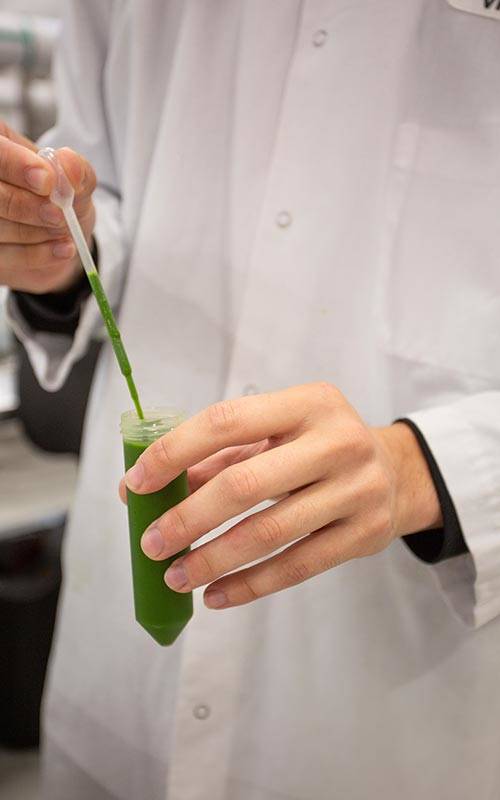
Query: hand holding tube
point(345, 490)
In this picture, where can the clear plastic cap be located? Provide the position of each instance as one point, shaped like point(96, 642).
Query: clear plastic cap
point(62, 194)
point(156, 422)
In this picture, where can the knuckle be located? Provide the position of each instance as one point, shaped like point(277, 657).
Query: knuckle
point(330, 561)
point(248, 593)
point(375, 535)
point(357, 444)
point(48, 234)
point(326, 448)
point(199, 567)
point(327, 394)
point(12, 205)
point(178, 527)
point(161, 450)
point(381, 524)
point(268, 531)
point(223, 418)
point(4, 161)
point(34, 256)
point(377, 485)
point(295, 571)
point(305, 511)
point(25, 234)
point(240, 482)
point(327, 557)
point(360, 440)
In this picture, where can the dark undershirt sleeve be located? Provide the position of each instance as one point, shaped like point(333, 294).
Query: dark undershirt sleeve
point(436, 545)
point(56, 312)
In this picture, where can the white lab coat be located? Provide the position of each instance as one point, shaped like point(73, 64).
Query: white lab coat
point(295, 191)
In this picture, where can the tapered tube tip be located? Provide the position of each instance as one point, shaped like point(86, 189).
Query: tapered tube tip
point(165, 634)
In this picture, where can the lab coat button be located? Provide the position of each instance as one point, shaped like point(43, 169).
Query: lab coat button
point(284, 219)
point(320, 38)
point(250, 388)
point(201, 711)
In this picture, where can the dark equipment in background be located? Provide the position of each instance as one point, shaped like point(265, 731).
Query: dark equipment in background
point(54, 420)
point(30, 577)
point(30, 560)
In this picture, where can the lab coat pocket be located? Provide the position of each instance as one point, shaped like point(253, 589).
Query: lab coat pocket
point(439, 299)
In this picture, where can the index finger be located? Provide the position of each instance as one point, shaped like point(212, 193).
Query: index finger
point(21, 167)
point(79, 171)
point(231, 422)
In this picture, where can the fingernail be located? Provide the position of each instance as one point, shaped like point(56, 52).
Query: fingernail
point(50, 214)
point(135, 477)
point(215, 599)
point(37, 178)
point(152, 543)
point(175, 576)
point(64, 250)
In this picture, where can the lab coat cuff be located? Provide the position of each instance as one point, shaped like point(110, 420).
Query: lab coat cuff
point(468, 457)
point(439, 544)
point(51, 354)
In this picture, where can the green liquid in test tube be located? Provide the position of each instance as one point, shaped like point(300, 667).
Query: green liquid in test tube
point(161, 611)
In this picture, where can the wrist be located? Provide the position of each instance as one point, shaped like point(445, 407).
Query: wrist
point(416, 503)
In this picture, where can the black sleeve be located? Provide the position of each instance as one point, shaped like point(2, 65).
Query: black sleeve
point(56, 312)
point(436, 545)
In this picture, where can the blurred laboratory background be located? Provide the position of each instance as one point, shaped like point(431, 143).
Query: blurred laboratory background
point(39, 439)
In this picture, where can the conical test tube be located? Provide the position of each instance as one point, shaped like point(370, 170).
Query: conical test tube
point(161, 611)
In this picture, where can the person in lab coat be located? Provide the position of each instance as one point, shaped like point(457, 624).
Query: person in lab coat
point(296, 212)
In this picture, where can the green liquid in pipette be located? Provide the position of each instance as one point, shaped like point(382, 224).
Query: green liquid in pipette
point(116, 339)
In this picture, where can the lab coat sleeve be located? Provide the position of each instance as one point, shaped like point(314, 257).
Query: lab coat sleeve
point(80, 79)
point(464, 437)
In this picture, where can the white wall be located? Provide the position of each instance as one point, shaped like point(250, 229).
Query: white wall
point(43, 7)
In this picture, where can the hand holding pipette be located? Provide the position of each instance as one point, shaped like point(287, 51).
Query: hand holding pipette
point(37, 254)
point(62, 195)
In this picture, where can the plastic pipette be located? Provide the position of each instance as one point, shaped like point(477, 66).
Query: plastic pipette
point(62, 196)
